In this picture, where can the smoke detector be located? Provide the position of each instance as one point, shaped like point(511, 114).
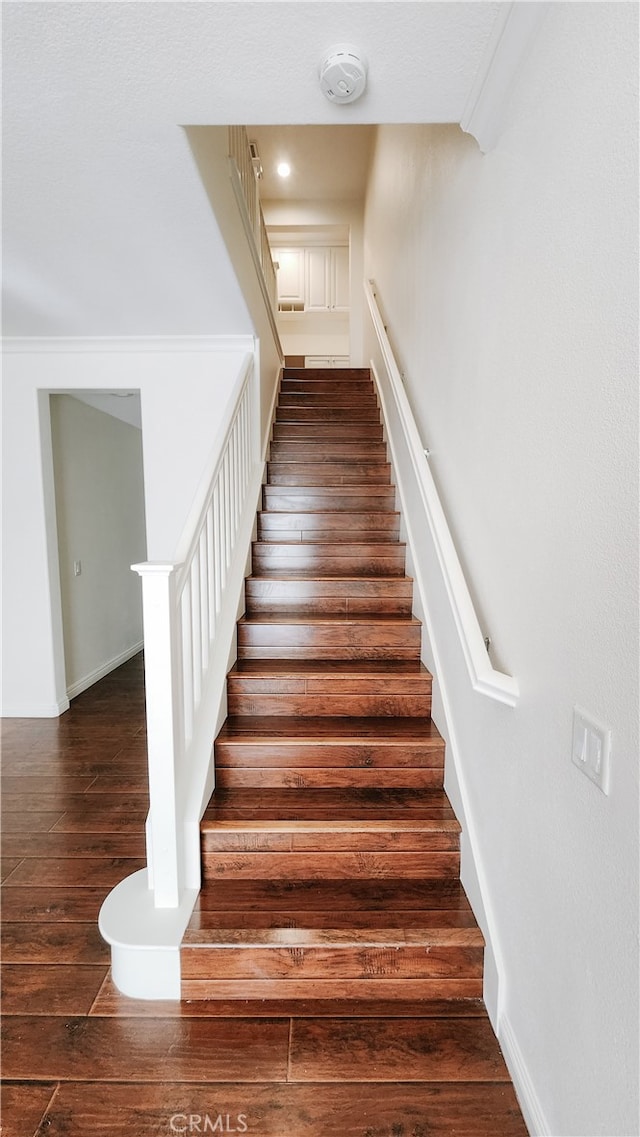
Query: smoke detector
point(343, 73)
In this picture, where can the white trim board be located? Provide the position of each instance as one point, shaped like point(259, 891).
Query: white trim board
point(509, 44)
point(99, 673)
point(126, 344)
point(532, 1111)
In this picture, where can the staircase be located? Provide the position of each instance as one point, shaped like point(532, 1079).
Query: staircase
point(330, 851)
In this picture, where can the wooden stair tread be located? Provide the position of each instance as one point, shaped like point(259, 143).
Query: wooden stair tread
point(332, 547)
point(347, 805)
point(347, 668)
point(330, 729)
point(309, 574)
point(338, 937)
point(386, 618)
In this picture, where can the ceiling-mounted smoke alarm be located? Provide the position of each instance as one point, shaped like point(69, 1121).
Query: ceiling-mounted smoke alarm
point(343, 73)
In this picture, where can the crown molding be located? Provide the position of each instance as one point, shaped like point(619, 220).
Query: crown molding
point(513, 34)
point(126, 345)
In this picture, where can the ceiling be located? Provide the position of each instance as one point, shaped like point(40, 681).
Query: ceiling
point(107, 228)
point(328, 163)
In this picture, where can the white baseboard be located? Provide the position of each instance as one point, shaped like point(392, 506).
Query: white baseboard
point(88, 680)
point(35, 711)
point(532, 1111)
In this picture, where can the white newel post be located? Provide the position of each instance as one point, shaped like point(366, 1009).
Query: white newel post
point(165, 731)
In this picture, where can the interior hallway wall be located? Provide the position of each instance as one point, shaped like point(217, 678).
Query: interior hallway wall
point(509, 285)
point(99, 493)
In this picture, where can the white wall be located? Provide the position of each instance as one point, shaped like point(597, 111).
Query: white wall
point(210, 149)
point(184, 387)
point(99, 490)
point(509, 285)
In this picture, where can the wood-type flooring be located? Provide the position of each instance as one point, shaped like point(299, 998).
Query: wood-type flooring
point(332, 970)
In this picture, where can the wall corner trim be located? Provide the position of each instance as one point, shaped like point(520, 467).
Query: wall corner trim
point(515, 28)
point(532, 1110)
point(73, 345)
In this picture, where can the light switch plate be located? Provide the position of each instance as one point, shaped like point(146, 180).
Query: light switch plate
point(591, 748)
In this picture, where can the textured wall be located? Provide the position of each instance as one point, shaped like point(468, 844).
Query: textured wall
point(509, 284)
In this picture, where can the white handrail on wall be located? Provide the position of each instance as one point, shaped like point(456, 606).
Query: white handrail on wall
point(483, 676)
point(245, 187)
point(182, 606)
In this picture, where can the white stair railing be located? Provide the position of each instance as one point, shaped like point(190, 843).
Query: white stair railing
point(183, 603)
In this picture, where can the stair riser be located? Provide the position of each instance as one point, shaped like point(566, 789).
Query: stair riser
point(329, 778)
point(374, 499)
point(335, 374)
point(332, 686)
point(334, 866)
point(342, 756)
point(324, 963)
point(323, 382)
point(417, 990)
point(323, 597)
point(329, 474)
point(337, 432)
point(317, 450)
point(331, 606)
point(355, 413)
point(272, 525)
point(327, 841)
point(328, 559)
point(333, 400)
point(402, 635)
point(413, 706)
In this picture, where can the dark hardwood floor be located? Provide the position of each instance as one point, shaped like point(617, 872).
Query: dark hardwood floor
point(81, 1059)
point(332, 969)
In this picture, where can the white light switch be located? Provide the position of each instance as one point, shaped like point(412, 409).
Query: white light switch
point(77, 568)
point(591, 748)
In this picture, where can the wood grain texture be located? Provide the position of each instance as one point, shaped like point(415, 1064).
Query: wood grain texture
point(76, 870)
point(322, 866)
point(312, 1110)
point(356, 981)
point(110, 1002)
point(53, 943)
point(50, 989)
point(409, 1050)
point(24, 904)
point(23, 1107)
point(352, 989)
point(91, 1049)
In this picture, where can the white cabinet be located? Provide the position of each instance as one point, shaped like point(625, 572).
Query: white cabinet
point(340, 278)
point(313, 279)
point(318, 283)
point(327, 279)
point(326, 361)
point(290, 276)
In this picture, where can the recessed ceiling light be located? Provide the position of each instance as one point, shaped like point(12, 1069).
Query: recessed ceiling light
point(284, 169)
